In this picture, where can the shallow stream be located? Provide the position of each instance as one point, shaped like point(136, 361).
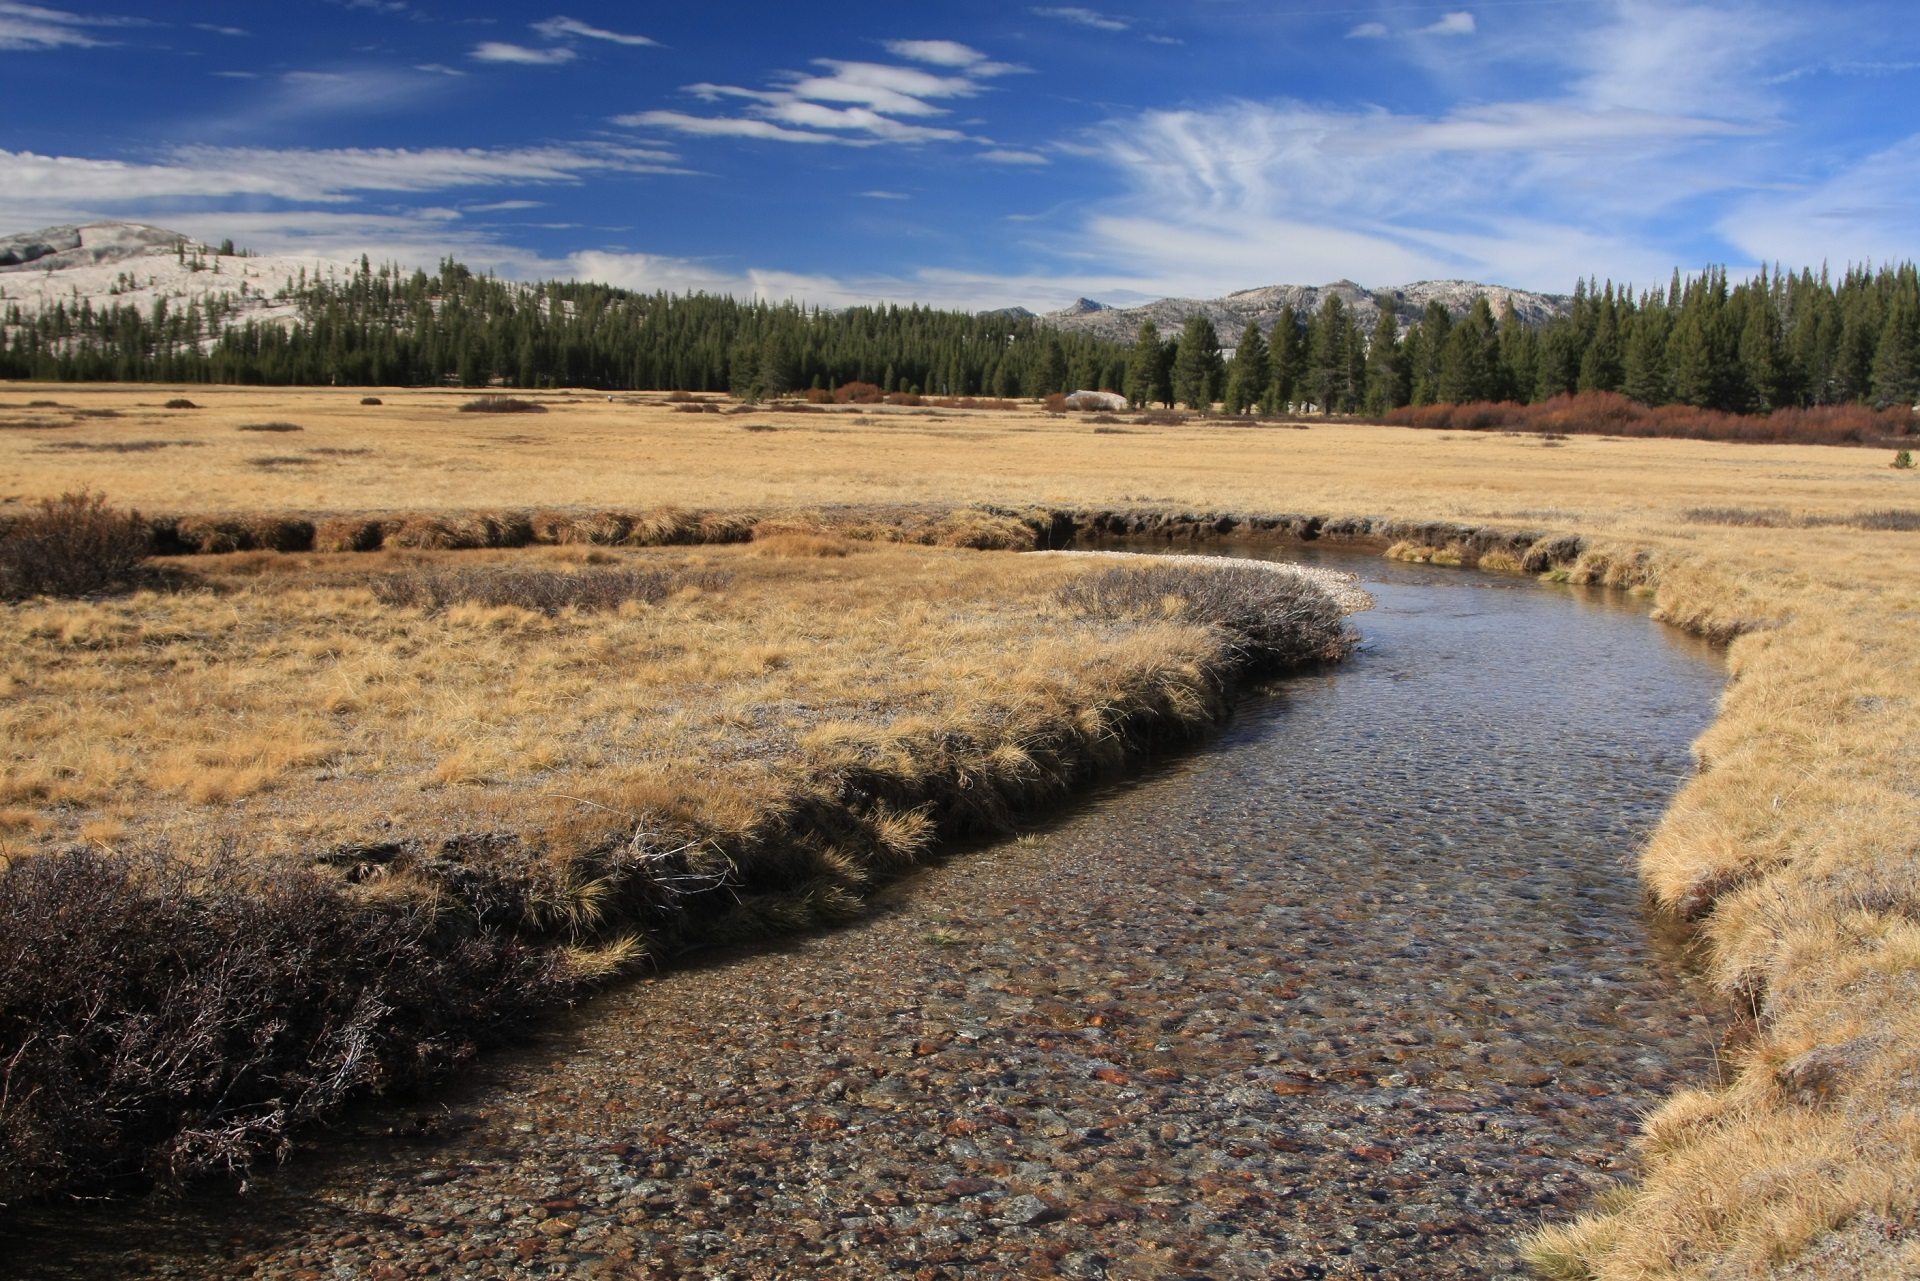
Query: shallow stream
point(1361, 986)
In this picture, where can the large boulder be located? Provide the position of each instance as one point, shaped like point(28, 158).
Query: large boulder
point(1096, 400)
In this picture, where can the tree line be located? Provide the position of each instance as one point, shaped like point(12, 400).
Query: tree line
point(1776, 341)
point(384, 327)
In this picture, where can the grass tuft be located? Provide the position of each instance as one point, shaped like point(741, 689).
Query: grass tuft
point(502, 405)
point(1271, 618)
point(542, 591)
point(272, 427)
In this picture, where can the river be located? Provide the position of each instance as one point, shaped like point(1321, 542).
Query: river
point(1362, 985)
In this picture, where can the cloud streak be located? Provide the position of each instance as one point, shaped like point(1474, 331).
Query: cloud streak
point(853, 103)
point(560, 27)
point(33, 28)
point(501, 51)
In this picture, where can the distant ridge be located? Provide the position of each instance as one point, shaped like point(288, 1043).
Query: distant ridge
point(1230, 315)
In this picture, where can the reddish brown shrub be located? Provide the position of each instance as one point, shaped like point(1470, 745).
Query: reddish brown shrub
point(857, 394)
point(1610, 414)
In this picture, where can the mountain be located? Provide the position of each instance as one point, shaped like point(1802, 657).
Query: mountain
point(1231, 314)
point(128, 263)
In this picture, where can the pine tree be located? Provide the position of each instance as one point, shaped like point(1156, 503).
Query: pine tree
point(1644, 369)
point(1250, 372)
point(1143, 366)
point(1603, 365)
point(1424, 354)
point(1197, 368)
point(1328, 360)
point(1288, 354)
point(1384, 369)
point(1896, 361)
point(1469, 360)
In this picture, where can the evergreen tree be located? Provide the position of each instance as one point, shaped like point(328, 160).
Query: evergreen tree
point(1289, 356)
point(1424, 346)
point(1250, 372)
point(1644, 369)
point(1327, 382)
point(1143, 366)
point(1896, 360)
point(1386, 381)
point(1197, 368)
point(1603, 365)
point(1469, 360)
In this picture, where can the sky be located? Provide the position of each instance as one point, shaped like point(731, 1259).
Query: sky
point(976, 154)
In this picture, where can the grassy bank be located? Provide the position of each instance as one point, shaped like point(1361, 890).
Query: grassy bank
point(310, 825)
point(1792, 853)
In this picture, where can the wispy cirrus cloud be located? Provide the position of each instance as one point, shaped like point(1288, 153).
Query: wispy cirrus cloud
point(560, 27)
point(35, 28)
point(846, 102)
point(1593, 170)
point(34, 186)
point(1086, 18)
point(503, 51)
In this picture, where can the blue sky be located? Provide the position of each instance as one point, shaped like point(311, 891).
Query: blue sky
point(981, 154)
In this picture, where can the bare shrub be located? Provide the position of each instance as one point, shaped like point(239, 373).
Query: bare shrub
point(1271, 619)
point(271, 427)
point(502, 405)
point(696, 407)
point(758, 427)
point(1900, 519)
point(72, 545)
point(115, 446)
point(1055, 404)
point(1160, 418)
point(161, 1022)
point(1611, 414)
point(179, 402)
point(1759, 517)
point(544, 591)
point(370, 400)
point(857, 393)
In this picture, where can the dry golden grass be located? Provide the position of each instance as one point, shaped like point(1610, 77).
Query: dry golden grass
point(321, 716)
point(283, 706)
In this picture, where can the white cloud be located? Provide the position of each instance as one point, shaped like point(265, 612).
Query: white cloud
point(1010, 156)
point(720, 127)
point(30, 27)
point(1369, 31)
point(851, 102)
point(499, 51)
point(938, 53)
point(1865, 211)
point(32, 185)
point(1452, 24)
point(439, 69)
point(886, 195)
point(1086, 18)
point(560, 27)
point(498, 206)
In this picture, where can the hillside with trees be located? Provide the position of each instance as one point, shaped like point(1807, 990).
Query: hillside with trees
point(1776, 342)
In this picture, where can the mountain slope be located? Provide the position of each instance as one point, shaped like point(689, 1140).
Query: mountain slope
point(1231, 314)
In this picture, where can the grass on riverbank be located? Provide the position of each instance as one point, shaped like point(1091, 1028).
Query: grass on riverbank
point(1793, 849)
point(342, 818)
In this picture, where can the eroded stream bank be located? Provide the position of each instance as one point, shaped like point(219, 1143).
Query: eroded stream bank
point(1363, 986)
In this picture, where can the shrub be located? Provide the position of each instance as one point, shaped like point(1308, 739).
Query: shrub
point(171, 1022)
point(857, 393)
point(70, 546)
point(370, 400)
point(1610, 414)
point(502, 405)
point(1271, 619)
point(544, 591)
point(180, 402)
point(1903, 460)
point(272, 427)
point(818, 396)
point(1160, 418)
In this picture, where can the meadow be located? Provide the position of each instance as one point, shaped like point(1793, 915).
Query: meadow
point(288, 701)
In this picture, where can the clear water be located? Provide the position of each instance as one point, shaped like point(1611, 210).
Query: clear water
point(1362, 985)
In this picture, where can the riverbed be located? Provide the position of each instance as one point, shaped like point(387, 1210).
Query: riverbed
point(1361, 986)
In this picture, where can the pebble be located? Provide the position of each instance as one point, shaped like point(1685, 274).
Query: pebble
point(1317, 1000)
